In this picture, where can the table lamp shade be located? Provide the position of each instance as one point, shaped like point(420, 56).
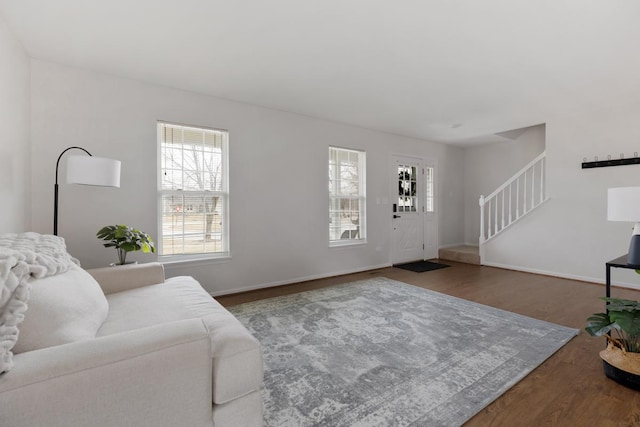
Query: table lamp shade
point(623, 204)
point(91, 170)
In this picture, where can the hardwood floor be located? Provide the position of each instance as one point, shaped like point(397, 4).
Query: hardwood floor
point(569, 389)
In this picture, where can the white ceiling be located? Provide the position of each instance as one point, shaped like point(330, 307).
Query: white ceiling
point(455, 71)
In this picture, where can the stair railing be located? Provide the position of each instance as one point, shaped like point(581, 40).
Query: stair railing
point(518, 196)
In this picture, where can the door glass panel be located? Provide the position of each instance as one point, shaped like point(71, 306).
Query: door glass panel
point(407, 188)
point(429, 200)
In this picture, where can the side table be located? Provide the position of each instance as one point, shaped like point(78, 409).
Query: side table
point(620, 262)
point(625, 378)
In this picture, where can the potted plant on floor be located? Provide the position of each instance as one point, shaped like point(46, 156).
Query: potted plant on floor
point(126, 239)
point(621, 326)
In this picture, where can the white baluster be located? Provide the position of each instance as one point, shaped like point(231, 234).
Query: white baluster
point(518, 198)
point(489, 220)
point(533, 186)
point(482, 238)
point(541, 180)
point(510, 191)
point(502, 192)
point(495, 216)
point(524, 194)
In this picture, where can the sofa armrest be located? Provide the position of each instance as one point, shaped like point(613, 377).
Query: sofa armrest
point(237, 357)
point(124, 277)
point(160, 376)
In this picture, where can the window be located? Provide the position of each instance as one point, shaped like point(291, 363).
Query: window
point(193, 195)
point(430, 190)
point(347, 196)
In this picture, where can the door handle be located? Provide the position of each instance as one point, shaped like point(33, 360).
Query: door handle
point(397, 216)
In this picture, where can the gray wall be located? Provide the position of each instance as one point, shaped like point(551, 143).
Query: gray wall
point(279, 233)
point(14, 141)
point(569, 235)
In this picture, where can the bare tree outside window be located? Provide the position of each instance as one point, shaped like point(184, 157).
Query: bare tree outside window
point(346, 195)
point(193, 190)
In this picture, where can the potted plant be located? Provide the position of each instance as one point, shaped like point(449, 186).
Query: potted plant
point(126, 239)
point(621, 326)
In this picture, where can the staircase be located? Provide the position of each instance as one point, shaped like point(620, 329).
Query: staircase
point(517, 197)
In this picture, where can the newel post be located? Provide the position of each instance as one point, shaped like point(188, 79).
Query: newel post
point(482, 239)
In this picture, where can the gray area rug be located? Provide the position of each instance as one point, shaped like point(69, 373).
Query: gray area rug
point(383, 353)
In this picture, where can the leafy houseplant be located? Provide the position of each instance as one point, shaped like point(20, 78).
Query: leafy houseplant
point(623, 319)
point(126, 239)
point(621, 326)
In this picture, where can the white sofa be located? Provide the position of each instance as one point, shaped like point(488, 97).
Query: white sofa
point(165, 353)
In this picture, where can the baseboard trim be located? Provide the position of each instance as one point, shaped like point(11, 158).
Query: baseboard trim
point(562, 275)
point(297, 280)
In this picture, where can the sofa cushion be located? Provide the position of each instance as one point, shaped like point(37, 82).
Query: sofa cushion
point(178, 298)
point(237, 358)
point(63, 308)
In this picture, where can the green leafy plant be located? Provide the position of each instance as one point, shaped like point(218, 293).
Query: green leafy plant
point(621, 324)
point(126, 239)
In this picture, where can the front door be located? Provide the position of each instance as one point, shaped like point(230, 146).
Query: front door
point(407, 210)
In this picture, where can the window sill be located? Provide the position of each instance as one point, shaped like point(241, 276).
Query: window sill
point(345, 244)
point(178, 260)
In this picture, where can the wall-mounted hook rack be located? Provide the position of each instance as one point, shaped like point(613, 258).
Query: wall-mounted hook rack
point(611, 162)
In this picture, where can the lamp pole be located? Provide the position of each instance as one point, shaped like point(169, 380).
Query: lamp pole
point(55, 189)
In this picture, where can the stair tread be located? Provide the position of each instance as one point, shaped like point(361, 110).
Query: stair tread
point(463, 253)
point(465, 249)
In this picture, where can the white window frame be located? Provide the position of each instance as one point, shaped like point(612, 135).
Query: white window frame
point(334, 193)
point(223, 194)
point(429, 188)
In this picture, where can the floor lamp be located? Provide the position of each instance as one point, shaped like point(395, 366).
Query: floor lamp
point(623, 204)
point(86, 170)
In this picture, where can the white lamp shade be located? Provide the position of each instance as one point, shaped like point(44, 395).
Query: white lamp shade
point(623, 204)
point(91, 170)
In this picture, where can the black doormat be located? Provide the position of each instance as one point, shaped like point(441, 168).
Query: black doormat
point(421, 266)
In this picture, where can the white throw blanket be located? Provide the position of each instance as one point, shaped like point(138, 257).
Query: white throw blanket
point(23, 256)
